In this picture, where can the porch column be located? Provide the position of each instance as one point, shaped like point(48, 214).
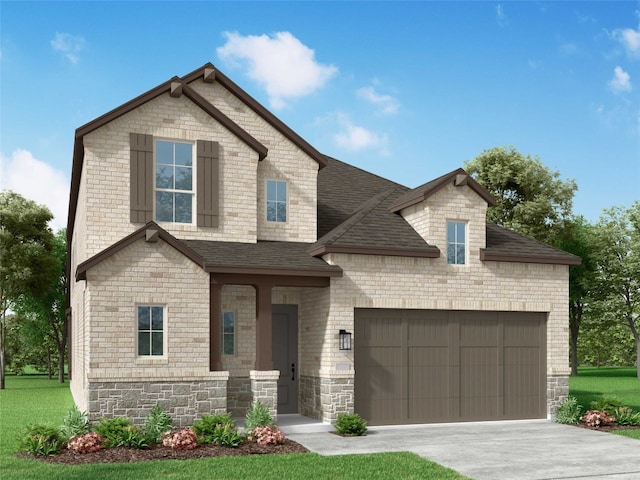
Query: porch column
point(264, 359)
point(215, 311)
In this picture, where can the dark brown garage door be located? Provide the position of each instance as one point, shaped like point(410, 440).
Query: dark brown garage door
point(427, 366)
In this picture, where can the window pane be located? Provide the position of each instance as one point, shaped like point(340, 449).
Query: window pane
point(156, 318)
point(451, 232)
point(183, 178)
point(460, 232)
point(144, 347)
point(143, 318)
point(271, 190)
point(183, 207)
point(282, 212)
point(164, 206)
point(271, 211)
point(183, 154)
point(451, 253)
point(227, 344)
point(164, 152)
point(228, 322)
point(164, 177)
point(281, 191)
point(156, 343)
point(460, 254)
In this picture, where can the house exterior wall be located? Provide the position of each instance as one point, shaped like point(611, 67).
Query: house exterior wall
point(285, 162)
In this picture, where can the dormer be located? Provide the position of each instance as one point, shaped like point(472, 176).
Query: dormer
point(449, 212)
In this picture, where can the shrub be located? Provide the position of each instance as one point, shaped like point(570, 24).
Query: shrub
point(74, 423)
point(569, 411)
point(258, 416)
point(157, 423)
point(87, 443)
point(41, 439)
point(185, 439)
point(218, 429)
point(598, 418)
point(119, 432)
point(267, 435)
point(606, 404)
point(351, 424)
point(626, 416)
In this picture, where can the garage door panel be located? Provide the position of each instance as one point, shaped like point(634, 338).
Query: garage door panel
point(421, 366)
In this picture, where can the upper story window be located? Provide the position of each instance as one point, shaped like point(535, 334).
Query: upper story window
point(456, 243)
point(151, 323)
point(276, 201)
point(174, 182)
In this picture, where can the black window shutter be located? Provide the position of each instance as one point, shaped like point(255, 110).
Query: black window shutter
point(208, 184)
point(141, 180)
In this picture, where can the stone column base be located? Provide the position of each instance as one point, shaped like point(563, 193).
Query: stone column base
point(557, 391)
point(325, 398)
point(264, 388)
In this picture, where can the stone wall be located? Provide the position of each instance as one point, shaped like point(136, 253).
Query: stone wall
point(557, 391)
point(325, 398)
point(239, 396)
point(264, 389)
point(185, 402)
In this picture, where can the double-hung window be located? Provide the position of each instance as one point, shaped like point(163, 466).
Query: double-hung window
point(151, 328)
point(276, 201)
point(228, 333)
point(174, 182)
point(456, 243)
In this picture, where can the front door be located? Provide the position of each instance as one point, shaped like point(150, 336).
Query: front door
point(285, 355)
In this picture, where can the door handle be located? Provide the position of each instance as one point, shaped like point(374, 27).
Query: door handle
point(293, 372)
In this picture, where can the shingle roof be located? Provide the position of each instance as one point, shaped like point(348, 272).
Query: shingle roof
point(272, 257)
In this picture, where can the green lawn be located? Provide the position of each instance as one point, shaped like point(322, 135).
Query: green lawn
point(29, 399)
point(617, 382)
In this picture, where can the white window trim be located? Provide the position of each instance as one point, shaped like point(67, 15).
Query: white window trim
point(165, 334)
point(466, 243)
point(266, 201)
point(194, 181)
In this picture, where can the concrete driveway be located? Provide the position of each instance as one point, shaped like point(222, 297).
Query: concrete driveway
point(530, 449)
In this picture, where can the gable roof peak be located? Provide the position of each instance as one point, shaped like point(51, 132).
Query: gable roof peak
point(458, 177)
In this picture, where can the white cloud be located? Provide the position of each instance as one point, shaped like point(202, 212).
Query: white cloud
point(629, 39)
point(356, 138)
point(37, 181)
point(69, 45)
point(621, 81)
point(387, 104)
point(501, 16)
point(280, 63)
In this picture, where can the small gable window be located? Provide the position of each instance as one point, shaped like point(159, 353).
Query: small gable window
point(151, 322)
point(456, 243)
point(174, 182)
point(276, 201)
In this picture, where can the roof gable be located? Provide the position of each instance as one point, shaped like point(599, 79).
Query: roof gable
point(458, 178)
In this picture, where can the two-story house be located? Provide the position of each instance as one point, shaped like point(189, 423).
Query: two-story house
point(217, 258)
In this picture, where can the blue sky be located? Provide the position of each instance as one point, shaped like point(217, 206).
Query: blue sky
point(407, 90)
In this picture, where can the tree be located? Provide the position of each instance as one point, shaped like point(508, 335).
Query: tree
point(617, 293)
point(44, 314)
point(27, 265)
point(530, 198)
point(578, 238)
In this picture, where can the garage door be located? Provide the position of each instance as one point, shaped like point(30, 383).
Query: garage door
point(428, 366)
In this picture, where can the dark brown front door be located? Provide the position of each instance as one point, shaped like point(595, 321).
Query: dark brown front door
point(285, 355)
point(428, 366)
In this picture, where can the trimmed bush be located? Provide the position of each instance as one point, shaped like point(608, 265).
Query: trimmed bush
point(119, 432)
point(87, 443)
point(351, 424)
point(258, 416)
point(569, 411)
point(267, 435)
point(41, 439)
point(218, 429)
point(185, 439)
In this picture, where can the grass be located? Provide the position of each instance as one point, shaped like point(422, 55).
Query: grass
point(620, 383)
point(28, 399)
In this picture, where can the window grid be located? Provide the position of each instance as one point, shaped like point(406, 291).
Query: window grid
point(456, 243)
point(228, 333)
point(276, 201)
point(174, 191)
point(150, 330)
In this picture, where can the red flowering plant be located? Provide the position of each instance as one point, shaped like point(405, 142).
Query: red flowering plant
point(87, 443)
point(185, 439)
point(267, 435)
point(598, 418)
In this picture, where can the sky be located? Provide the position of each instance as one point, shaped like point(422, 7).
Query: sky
point(406, 90)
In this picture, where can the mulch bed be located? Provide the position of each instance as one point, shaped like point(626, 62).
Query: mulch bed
point(126, 455)
point(609, 428)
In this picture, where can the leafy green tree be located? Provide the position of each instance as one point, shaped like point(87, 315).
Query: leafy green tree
point(578, 238)
point(27, 265)
point(531, 199)
point(617, 293)
point(45, 320)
